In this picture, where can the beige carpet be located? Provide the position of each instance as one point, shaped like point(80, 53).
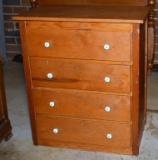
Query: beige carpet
point(152, 92)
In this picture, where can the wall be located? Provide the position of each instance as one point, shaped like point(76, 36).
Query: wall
point(10, 8)
point(2, 36)
point(14, 7)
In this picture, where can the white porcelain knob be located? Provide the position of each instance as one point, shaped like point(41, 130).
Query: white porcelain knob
point(107, 79)
point(47, 44)
point(106, 47)
point(55, 130)
point(107, 109)
point(109, 136)
point(50, 75)
point(52, 104)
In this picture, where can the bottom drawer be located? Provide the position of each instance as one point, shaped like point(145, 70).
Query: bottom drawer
point(84, 131)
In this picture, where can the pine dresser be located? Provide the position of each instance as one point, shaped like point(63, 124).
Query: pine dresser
point(85, 70)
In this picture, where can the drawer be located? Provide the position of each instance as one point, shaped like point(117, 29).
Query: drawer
point(82, 104)
point(83, 131)
point(110, 45)
point(80, 74)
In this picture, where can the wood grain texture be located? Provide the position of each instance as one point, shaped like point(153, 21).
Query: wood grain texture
point(151, 24)
point(82, 104)
point(28, 81)
point(94, 2)
point(135, 89)
point(82, 146)
point(93, 26)
point(80, 74)
point(77, 87)
point(84, 131)
point(90, 40)
point(142, 79)
point(86, 13)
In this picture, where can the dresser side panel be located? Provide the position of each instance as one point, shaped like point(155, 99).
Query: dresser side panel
point(142, 79)
point(26, 64)
point(135, 89)
point(138, 109)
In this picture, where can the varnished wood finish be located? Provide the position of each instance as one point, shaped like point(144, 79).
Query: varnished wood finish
point(90, 2)
point(80, 74)
point(151, 24)
point(143, 79)
point(77, 87)
point(86, 14)
point(62, 36)
point(151, 36)
point(5, 126)
point(28, 82)
point(82, 131)
point(135, 87)
point(89, 104)
point(90, 147)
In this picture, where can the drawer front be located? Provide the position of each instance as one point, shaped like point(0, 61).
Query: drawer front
point(82, 104)
point(77, 74)
point(110, 45)
point(83, 131)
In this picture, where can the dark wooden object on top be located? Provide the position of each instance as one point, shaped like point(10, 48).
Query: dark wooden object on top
point(5, 126)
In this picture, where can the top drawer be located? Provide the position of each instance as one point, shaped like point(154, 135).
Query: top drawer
point(100, 41)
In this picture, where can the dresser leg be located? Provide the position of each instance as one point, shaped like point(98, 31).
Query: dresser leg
point(8, 137)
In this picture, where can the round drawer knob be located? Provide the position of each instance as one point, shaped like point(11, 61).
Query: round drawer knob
point(109, 136)
point(107, 79)
point(107, 109)
point(47, 44)
point(50, 75)
point(52, 104)
point(55, 130)
point(106, 47)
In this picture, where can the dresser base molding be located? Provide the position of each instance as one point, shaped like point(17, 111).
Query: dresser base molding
point(82, 146)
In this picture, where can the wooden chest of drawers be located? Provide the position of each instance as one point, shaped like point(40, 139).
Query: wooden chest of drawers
point(85, 70)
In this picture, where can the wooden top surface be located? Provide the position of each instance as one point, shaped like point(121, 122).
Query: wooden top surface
point(95, 2)
point(88, 13)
